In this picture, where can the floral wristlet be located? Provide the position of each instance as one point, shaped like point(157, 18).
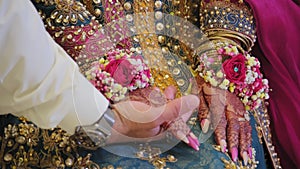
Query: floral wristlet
point(237, 72)
point(118, 72)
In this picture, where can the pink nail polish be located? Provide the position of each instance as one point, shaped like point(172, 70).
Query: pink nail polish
point(205, 125)
point(234, 154)
point(202, 122)
point(250, 152)
point(224, 149)
point(192, 143)
point(194, 138)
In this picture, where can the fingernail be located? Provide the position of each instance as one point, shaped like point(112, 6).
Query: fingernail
point(250, 152)
point(204, 125)
point(245, 158)
point(195, 139)
point(223, 145)
point(182, 137)
point(192, 143)
point(234, 154)
point(156, 88)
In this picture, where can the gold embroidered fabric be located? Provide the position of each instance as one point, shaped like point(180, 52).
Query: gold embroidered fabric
point(230, 20)
point(166, 69)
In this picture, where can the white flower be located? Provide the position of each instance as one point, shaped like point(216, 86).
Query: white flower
point(138, 83)
point(213, 82)
point(235, 50)
point(208, 73)
point(251, 61)
point(220, 74)
point(255, 74)
point(245, 100)
point(267, 96)
point(223, 86)
point(226, 82)
point(253, 97)
point(265, 81)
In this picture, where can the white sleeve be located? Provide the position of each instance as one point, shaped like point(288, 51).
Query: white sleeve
point(38, 79)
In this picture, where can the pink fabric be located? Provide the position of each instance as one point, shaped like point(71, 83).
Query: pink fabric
point(278, 30)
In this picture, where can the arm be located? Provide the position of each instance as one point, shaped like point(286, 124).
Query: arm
point(38, 79)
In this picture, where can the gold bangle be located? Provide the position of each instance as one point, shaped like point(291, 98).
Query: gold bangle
point(247, 41)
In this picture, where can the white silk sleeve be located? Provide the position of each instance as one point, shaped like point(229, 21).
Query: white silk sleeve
point(38, 80)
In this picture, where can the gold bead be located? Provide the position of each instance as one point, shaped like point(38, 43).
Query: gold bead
point(171, 158)
point(97, 1)
point(110, 167)
point(180, 82)
point(129, 18)
point(158, 4)
point(10, 143)
point(20, 140)
point(176, 2)
point(176, 47)
point(8, 157)
point(127, 6)
point(159, 26)
point(69, 162)
point(176, 71)
point(165, 49)
point(98, 12)
point(161, 39)
point(158, 15)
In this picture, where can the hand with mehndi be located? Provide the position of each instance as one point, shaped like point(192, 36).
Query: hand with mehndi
point(225, 113)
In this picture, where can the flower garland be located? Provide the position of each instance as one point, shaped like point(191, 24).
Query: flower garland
point(118, 72)
point(239, 73)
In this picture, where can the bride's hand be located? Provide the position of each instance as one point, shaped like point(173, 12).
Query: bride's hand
point(225, 113)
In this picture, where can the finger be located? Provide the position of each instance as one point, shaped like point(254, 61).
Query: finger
point(193, 87)
point(182, 132)
point(150, 95)
point(181, 107)
point(243, 148)
point(245, 132)
point(220, 133)
point(245, 140)
point(233, 134)
point(203, 107)
point(203, 114)
point(170, 92)
point(151, 116)
point(216, 105)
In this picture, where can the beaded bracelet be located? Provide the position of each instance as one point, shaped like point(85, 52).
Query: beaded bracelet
point(118, 72)
point(237, 72)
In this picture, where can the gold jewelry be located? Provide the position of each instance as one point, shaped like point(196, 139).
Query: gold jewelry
point(218, 16)
point(152, 155)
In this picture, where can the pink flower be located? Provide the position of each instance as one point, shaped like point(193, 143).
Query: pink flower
point(121, 71)
point(235, 69)
point(258, 85)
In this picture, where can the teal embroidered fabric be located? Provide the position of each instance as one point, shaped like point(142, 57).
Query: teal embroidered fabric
point(187, 158)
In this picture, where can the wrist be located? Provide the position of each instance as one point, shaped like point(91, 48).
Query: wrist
point(95, 135)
